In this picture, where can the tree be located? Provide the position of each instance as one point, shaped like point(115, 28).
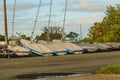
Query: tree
point(109, 29)
point(72, 36)
point(95, 30)
point(54, 33)
point(2, 38)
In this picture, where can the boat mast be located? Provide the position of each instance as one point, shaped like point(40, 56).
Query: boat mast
point(13, 18)
point(5, 22)
point(36, 19)
point(48, 36)
point(63, 29)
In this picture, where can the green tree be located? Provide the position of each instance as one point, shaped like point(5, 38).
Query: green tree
point(54, 33)
point(72, 36)
point(2, 38)
point(95, 30)
point(109, 29)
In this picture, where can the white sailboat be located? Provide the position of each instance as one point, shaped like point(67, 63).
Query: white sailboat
point(55, 47)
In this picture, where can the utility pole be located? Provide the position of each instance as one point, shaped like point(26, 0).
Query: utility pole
point(80, 32)
point(5, 24)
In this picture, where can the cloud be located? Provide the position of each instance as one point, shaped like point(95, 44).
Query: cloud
point(96, 17)
point(86, 5)
point(23, 6)
point(71, 2)
point(89, 6)
point(19, 6)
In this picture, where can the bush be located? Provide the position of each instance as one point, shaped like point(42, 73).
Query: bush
point(87, 40)
point(112, 69)
point(2, 38)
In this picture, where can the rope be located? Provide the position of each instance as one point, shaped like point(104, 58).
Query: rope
point(36, 19)
point(13, 17)
point(48, 37)
point(64, 21)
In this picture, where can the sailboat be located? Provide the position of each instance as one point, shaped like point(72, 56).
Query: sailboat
point(5, 46)
point(56, 47)
point(43, 47)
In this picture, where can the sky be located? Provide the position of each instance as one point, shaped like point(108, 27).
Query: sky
point(84, 12)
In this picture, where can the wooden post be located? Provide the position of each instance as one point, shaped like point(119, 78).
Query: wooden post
point(5, 24)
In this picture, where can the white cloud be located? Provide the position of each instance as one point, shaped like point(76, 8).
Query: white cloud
point(84, 3)
point(83, 19)
point(19, 6)
point(89, 6)
point(71, 2)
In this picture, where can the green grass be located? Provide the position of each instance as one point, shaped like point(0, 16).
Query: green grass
point(111, 69)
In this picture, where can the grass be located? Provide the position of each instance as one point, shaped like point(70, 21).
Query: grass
point(111, 69)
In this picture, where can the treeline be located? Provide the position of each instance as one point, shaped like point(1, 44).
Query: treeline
point(109, 29)
point(54, 32)
point(50, 34)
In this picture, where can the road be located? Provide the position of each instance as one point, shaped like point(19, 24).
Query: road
point(83, 63)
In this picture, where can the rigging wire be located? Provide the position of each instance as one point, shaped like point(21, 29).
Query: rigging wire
point(64, 20)
point(36, 19)
point(49, 20)
point(13, 17)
